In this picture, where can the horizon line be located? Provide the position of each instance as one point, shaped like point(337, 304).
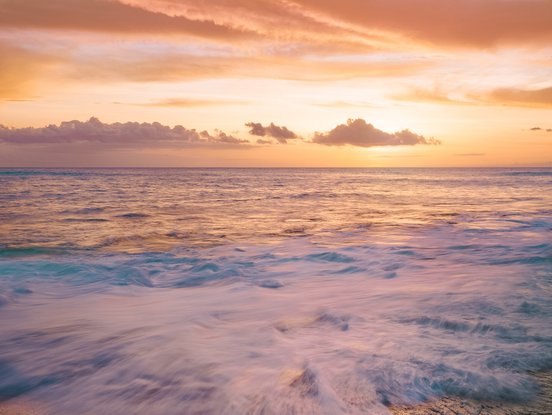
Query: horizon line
point(280, 167)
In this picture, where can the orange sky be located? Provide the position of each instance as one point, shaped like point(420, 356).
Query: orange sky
point(319, 82)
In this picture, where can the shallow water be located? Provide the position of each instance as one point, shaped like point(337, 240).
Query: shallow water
point(272, 291)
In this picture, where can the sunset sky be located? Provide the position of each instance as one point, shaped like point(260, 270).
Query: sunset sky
point(275, 83)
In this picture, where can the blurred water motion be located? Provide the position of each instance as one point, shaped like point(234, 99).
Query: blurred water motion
point(277, 291)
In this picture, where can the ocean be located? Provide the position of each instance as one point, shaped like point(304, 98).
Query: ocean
point(272, 291)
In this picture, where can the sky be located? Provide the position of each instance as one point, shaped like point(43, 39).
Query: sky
point(275, 83)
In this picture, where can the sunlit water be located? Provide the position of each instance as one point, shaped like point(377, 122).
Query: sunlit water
point(228, 291)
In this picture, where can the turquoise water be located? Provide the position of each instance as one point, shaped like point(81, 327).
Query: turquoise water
point(272, 291)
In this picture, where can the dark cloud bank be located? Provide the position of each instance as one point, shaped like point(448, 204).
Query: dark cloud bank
point(130, 134)
point(95, 135)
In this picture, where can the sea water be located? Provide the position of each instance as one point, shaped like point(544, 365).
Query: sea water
point(272, 291)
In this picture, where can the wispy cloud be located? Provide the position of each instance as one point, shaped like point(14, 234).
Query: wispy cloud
point(106, 16)
point(23, 69)
point(346, 104)
point(522, 97)
point(434, 96)
point(361, 134)
point(465, 23)
point(187, 102)
point(459, 23)
point(507, 96)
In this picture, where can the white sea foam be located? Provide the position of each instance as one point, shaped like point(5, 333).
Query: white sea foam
point(338, 319)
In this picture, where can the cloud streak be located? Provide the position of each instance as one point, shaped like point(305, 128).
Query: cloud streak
point(106, 16)
point(522, 97)
point(117, 135)
point(457, 23)
point(25, 69)
point(466, 23)
point(361, 134)
point(507, 96)
point(188, 103)
point(548, 130)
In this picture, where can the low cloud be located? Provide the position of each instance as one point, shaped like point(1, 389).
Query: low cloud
point(359, 133)
point(548, 130)
point(281, 134)
point(117, 135)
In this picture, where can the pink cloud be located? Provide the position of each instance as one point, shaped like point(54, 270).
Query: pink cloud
point(359, 133)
